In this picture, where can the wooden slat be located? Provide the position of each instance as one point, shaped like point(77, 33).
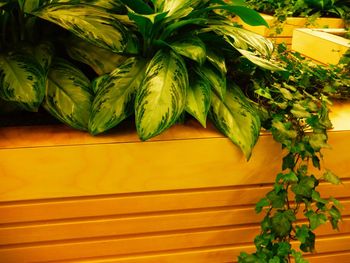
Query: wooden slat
point(161, 202)
point(104, 227)
point(142, 244)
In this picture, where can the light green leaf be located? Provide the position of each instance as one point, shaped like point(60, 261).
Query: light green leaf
point(115, 97)
point(29, 5)
point(318, 141)
point(91, 23)
point(214, 78)
point(192, 48)
point(161, 98)
point(244, 39)
point(235, 118)
point(315, 219)
point(101, 60)
point(22, 80)
point(198, 98)
point(217, 60)
point(261, 62)
point(331, 177)
point(176, 8)
point(68, 94)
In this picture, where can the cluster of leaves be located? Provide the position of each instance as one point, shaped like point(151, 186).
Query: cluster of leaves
point(155, 59)
point(295, 105)
point(312, 9)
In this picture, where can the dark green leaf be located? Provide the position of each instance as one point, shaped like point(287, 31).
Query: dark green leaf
point(68, 94)
point(114, 100)
point(315, 219)
point(236, 119)
point(335, 216)
point(198, 98)
point(281, 224)
point(91, 23)
point(22, 80)
point(261, 204)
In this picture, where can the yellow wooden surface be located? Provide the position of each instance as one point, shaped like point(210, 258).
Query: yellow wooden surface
point(185, 196)
point(320, 46)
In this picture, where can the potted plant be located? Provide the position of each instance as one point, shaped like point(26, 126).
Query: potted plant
point(155, 59)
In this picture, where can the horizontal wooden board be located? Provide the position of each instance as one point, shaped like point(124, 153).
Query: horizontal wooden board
point(144, 243)
point(47, 172)
point(71, 208)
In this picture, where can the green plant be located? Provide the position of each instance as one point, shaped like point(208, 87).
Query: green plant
point(296, 106)
point(169, 54)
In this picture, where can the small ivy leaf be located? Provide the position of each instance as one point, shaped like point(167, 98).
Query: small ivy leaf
point(281, 223)
point(275, 259)
point(288, 161)
point(302, 233)
point(318, 141)
point(284, 249)
point(305, 186)
point(316, 162)
point(315, 219)
point(277, 200)
point(316, 197)
point(261, 204)
point(298, 257)
point(300, 111)
point(290, 177)
point(335, 216)
point(331, 177)
point(266, 223)
point(263, 240)
point(247, 258)
point(336, 202)
point(309, 244)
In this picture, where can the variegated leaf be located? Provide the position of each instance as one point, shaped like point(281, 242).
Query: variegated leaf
point(176, 8)
point(68, 94)
point(115, 97)
point(161, 98)
point(198, 98)
point(192, 48)
point(214, 78)
point(244, 39)
point(101, 60)
point(236, 119)
point(99, 82)
point(22, 80)
point(114, 6)
point(91, 23)
point(44, 53)
point(261, 62)
point(217, 60)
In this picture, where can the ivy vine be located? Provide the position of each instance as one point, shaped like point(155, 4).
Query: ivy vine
point(295, 106)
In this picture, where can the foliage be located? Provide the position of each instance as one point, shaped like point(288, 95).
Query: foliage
point(145, 53)
point(296, 107)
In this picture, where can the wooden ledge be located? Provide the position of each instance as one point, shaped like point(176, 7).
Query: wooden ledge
point(60, 135)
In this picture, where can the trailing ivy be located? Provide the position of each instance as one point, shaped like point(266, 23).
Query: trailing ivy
point(297, 107)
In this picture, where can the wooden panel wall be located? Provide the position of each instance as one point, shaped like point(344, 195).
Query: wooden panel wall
point(187, 196)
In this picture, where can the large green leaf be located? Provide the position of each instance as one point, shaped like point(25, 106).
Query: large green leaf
point(115, 6)
point(91, 23)
point(99, 59)
point(261, 62)
point(161, 98)
point(115, 97)
point(191, 47)
point(235, 118)
point(68, 94)
point(198, 98)
point(215, 78)
point(244, 39)
point(217, 60)
point(22, 80)
point(138, 6)
point(176, 8)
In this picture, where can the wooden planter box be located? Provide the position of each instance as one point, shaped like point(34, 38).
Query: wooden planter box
point(320, 46)
point(185, 196)
point(289, 25)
